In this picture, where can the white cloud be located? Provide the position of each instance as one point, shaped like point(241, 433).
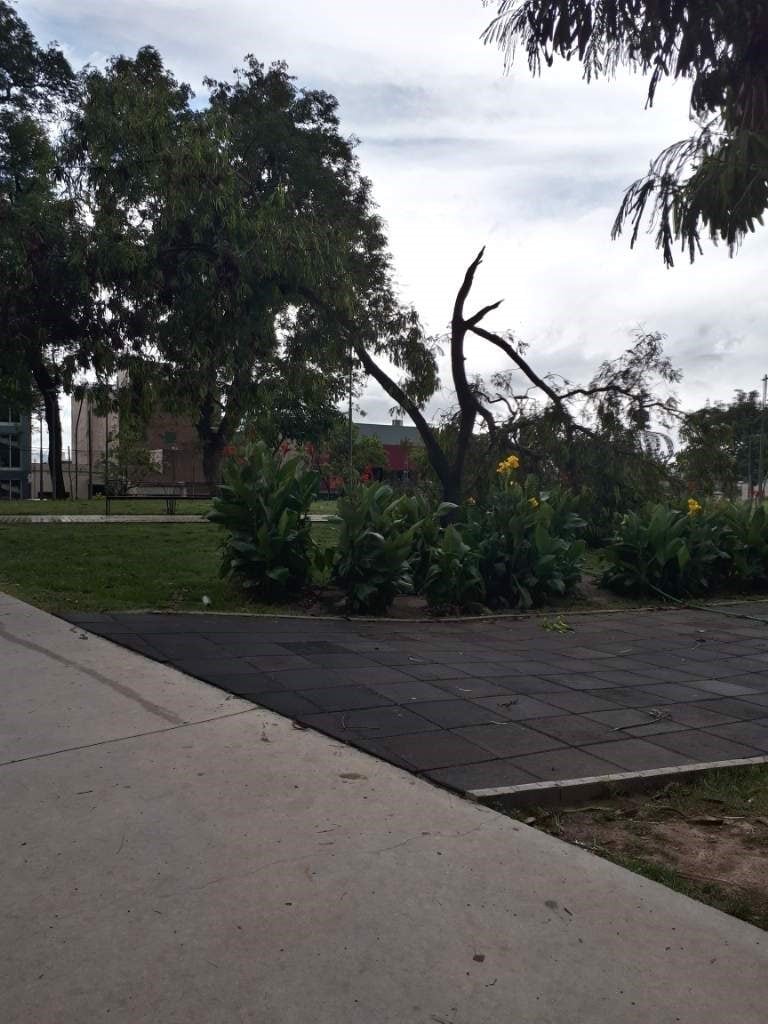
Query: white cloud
point(461, 156)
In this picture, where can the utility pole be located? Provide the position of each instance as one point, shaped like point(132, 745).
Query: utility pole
point(351, 435)
point(40, 427)
point(761, 461)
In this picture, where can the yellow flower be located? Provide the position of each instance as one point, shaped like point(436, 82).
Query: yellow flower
point(508, 465)
point(471, 501)
point(693, 507)
point(533, 502)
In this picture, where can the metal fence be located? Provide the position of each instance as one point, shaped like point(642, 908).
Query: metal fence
point(90, 472)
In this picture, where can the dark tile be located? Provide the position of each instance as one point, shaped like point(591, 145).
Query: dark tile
point(279, 662)
point(395, 658)
point(345, 698)
point(451, 714)
point(655, 674)
point(530, 685)
point(657, 728)
point(470, 688)
point(705, 746)
point(242, 684)
point(312, 646)
point(578, 703)
point(434, 671)
point(292, 705)
point(237, 645)
point(580, 681)
point(140, 645)
point(672, 693)
point(209, 668)
point(754, 734)
point(632, 697)
point(564, 763)
point(621, 718)
point(620, 677)
point(733, 708)
point(725, 688)
point(637, 755)
point(576, 730)
point(410, 693)
point(376, 674)
point(347, 660)
point(508, 740)
point(695, 716)
point(431, 750)
point(186, 646)
point(519, 707)
point(374, 723)
point(307, 678)
point(487, 775)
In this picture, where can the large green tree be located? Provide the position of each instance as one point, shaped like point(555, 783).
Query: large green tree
point(716, 182)
point(226, 227)
point(50, 311)
point(721, 445)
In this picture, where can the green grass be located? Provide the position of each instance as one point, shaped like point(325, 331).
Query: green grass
point(121, 567)
point(727, 900)
point(98, 507)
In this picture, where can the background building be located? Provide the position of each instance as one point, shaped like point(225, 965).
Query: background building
point(15, 453)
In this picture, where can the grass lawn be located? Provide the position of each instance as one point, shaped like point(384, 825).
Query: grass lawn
point(121, 567)
point(97, 507)
point(706, 838)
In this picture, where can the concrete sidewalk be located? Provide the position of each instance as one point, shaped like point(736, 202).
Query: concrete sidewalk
point(175, 855)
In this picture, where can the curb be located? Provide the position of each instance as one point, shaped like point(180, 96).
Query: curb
point(564, 792)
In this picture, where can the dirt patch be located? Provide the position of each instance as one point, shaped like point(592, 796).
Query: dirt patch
point(700, 845)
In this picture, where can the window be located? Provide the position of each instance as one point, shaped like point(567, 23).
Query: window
point(10, 452)
point(10, 489)
point(9, 415)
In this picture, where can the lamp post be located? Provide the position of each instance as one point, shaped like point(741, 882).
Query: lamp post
point(761, 457)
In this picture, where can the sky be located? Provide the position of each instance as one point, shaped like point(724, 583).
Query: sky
point(462, 155)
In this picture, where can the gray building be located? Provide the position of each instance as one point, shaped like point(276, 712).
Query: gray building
point(15, 453)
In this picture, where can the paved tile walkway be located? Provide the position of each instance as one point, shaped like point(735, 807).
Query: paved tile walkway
point(475, 705)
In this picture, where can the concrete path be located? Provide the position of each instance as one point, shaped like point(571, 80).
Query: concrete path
point(501, 706)
point(174, 855)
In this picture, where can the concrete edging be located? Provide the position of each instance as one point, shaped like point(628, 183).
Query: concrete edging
point(564, 791)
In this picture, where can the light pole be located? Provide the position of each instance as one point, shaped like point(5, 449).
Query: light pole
point(761, 457)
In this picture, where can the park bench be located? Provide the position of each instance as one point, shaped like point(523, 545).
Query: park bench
point(169, 497)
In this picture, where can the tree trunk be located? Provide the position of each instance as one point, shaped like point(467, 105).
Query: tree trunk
point(49, 390)
point(213, 441)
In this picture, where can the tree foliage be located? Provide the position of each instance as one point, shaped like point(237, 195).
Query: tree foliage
point(721, 445)
point(232, 229)
point(714, 183)
point(50, 310)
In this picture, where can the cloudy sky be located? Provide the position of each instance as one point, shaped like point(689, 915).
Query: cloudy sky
point(462, 156)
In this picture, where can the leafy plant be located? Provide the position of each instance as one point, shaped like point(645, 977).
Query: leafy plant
point(528, 547)
point(664, 551)
point(371, 564)
point(427, 515)
point(453, 581)
point(264, 505)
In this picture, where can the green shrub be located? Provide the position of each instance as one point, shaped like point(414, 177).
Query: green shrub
point(528, 547)
point(453, 582)
point(747, 544)
point(371, 564)
point(264, 505)
point(427, 515)
point(665, 551)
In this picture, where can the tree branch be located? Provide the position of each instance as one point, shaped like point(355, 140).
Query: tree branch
point(521, 363)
